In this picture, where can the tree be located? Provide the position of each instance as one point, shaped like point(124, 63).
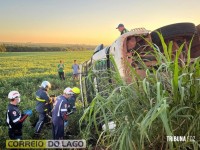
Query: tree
point(2, 48)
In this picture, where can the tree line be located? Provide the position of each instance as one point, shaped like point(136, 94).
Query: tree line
point(2, 48)
point(33, 48)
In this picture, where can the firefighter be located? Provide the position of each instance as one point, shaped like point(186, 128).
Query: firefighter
point(72, 100)
point(60, 114)
point(43, 101)
point(14, 117)
point(72, 107)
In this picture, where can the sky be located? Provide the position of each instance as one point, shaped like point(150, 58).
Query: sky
point(87, 21)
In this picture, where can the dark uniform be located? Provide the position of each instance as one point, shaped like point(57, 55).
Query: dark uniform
point(59, 115)
point(14, 119)
point(72, 101)
point(42, 107)
point(124, 31)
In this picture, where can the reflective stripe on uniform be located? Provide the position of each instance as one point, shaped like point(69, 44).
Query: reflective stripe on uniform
point(63, 110)
point(59, 108)
point(40, 100)
point(17, 119)
point(39, 126)
point(8, 120)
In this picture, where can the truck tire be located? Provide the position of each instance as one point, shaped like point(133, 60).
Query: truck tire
point(172, 31)
point(198, 29)
point(195, 50)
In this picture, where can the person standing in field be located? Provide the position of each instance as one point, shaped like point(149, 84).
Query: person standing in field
point(14, 117)
point(60, 114)
point(75, 68)
point(122, 29)
point(61, 70)
point(42, 105)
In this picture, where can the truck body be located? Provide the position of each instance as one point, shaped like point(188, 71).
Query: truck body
point(136, 43)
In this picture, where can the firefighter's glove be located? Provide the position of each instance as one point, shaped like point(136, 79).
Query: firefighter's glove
point(28, 112)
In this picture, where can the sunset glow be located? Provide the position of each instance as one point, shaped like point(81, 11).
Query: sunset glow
point(87, 22)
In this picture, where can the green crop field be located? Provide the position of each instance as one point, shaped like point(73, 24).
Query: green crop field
point(34, 64)
point(24, 71)
point(146, 111)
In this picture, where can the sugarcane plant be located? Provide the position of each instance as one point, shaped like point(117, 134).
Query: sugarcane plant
point(146, 111)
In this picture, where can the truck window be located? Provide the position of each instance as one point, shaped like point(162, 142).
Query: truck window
point(101, 64)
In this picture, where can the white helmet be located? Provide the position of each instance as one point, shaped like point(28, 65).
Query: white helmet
point(68, 91)
point(13, 95)
point(46, 85)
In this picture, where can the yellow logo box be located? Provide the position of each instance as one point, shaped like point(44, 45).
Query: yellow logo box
point(41, 144)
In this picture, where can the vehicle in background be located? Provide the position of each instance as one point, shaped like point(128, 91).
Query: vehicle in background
point(119, 57)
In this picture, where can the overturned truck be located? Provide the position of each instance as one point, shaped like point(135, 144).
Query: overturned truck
point(119, 56)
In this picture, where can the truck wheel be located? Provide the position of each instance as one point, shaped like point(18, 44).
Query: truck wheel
point(172, 31)
point(195, 51)
point(198, 29)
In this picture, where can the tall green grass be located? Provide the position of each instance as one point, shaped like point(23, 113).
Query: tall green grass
point(164, 103)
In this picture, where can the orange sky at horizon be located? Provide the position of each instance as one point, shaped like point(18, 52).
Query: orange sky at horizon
point(87, 22)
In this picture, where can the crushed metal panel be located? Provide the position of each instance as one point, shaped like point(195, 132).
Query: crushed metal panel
point(123, 59)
